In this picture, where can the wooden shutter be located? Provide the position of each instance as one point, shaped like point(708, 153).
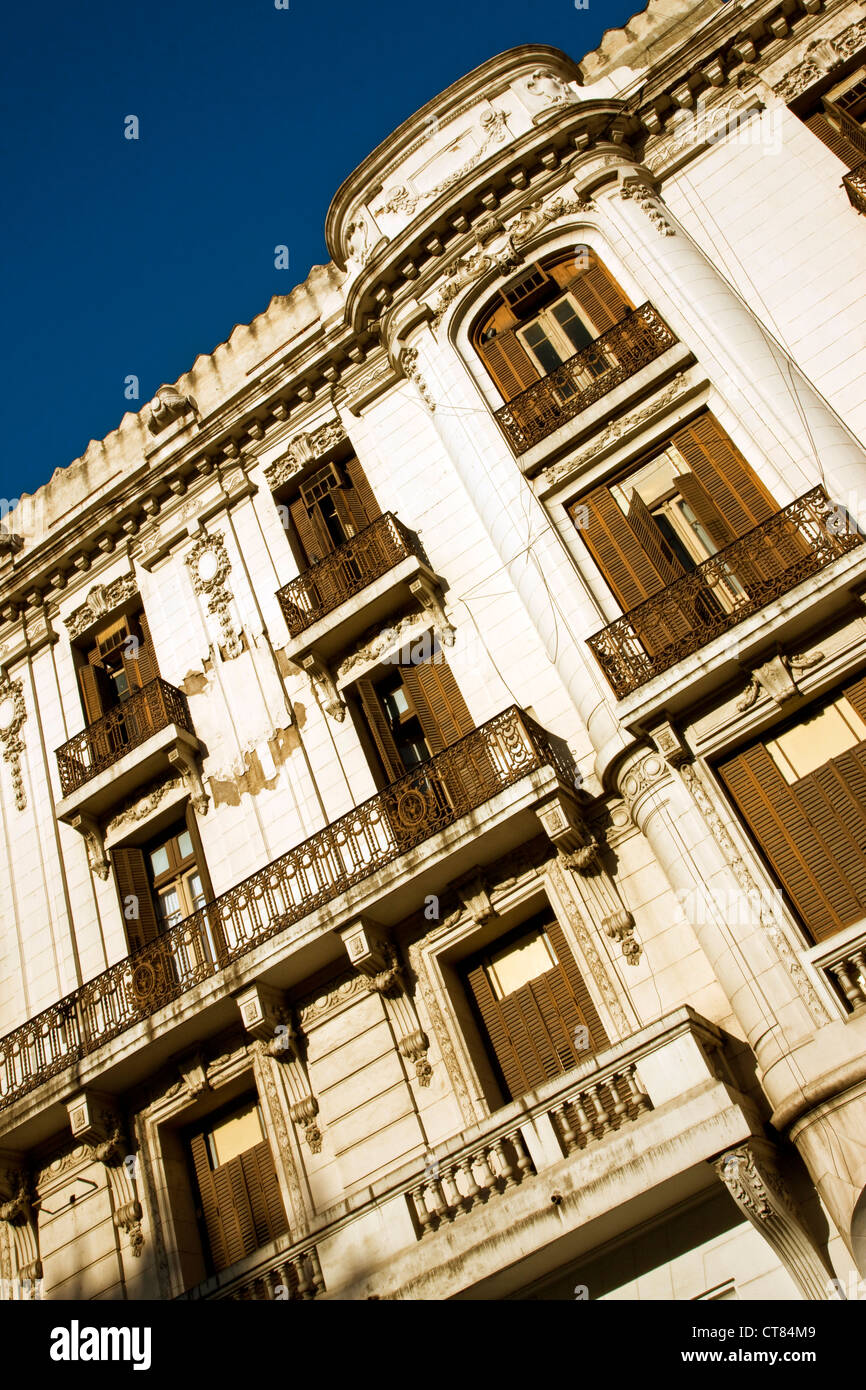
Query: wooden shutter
point(131, 875)
point(509, 364)
point(269, 1214)
point(438, 703)
point(641, 521)
point(381, 730)
point(856, 695)
point(735, 490)
point(309, 532)
point(715, 523)
point(615, 548)
point(210, 1206)
point(600, 297)
point(236, 1217)
point(800, 854)
point(361, 485)
point(834, 140)
point(147, 663)
point(91, 693)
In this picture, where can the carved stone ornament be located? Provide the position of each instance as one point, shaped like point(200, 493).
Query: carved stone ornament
point(167, 405)
point(776, 678)
point(407, 199)
point(358, 242)
point(615, 431)
point(767, 917)
point(409, 367)
point(649, 202)
point(378, 962)
point(10, 542)
point(619, 926)
point(141, 808)
point(751, 1175)
point(550, 89)
point(17, 1211)
point(821, 57)
point(102, 600)
point(303, 449)
point(91, 831)
point(669, 744)
point(704, 126)
point(13, 713)
point(323, 684)
point(209, 566)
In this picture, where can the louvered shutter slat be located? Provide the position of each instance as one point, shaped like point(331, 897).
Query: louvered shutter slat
point(835, 141)
point(509, 364)
point(132, 881)
point(735, 490)
point(600, 297)
point(361, 484)
point(706, 510)
point(497, 1031)
point(147, 662)
point(380, 730)
point(209, 1203)
point(438, 702)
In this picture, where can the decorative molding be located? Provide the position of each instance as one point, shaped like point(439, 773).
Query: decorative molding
point(446, 1048)
point(409, 367)
point(94, 843)
point(100, 601)
point(10, 542)
point(142, 808)
point(748, 885)
point(185, 762)
point(641, 778)
point(704, 127)
point(271, 1077)
point(209, 566)
point(821, 57)
point(314, 1009)
point(21, 1226)
point(323, 684)
point(267, 1016)
point(399, 634)
point(565, 827)
point(303, 449)
point(615, 431)
point(428, 593)
point(494, 128)
point(551, 89)
point(776, 678)
point(13, 714)
point(167, 405)
point(633, 190)
point(602, 979)
point(751, 1175)
point(377, 960)
point(670, 745)
point(619, 926)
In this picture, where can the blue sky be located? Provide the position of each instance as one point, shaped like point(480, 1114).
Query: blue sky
point(132, 256)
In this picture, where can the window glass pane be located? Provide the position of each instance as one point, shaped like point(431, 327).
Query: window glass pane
point(567, 317)
point(159, 860)
point(184, 844)
point(519, 963)
point(169, 907)
point(235, 1134)
point(542, 348)
point(196, 892)
point(395, 703)
point(816, 740)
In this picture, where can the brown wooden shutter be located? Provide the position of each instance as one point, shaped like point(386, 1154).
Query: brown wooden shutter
point(210, 1206)
point(721, 533)
point(834, 140)
point(363, 491)
point(856, 695)
point(801, 857)
point(600, 297)
point(509, 364)
point(314, 546)
point(735, 490)
point(834, 799)
point(269, 1216)
point(131, 876)
point(236, 1216)
point(641, 521)
point(381, 730)
point(615, 548)
point(147, 663)
point(438, 702)
point(498, 1036)
point(90, 692)
point(598, 1038)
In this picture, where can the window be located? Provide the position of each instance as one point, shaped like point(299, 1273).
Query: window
point(672, 512)
point(239, 1206)
point(332, 506)
point(547, 316)
point(411, 713)
point(161, 882)
point(536, 1016)
point(801, 790)
point(838, 116)
point(118, 661)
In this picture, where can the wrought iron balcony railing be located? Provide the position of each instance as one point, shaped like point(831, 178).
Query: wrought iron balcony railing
point(584, 378)
point(102, 744)
point(428, 799)
point(855, 186)
point(367, 556)
point(794, 544)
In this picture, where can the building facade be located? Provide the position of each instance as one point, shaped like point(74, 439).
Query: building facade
point(434, 728)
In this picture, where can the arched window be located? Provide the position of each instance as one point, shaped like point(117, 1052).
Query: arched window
point(554, 309)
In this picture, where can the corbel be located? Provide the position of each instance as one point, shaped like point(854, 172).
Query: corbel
point(95, 1121)
point(323, 684)
point(18, 1212)
point(429, 595)
point(619, 926)
point(563, 824)
point(377, 959)
point(474, 893)
point(187, 765)
point(776, 678)
point(672, 748)
point(266, 1014)
point(94, 842)
point(192, 1069)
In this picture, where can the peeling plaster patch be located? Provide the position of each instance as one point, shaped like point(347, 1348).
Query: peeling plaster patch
point(228, 790)
point(300, 713)
point(193, 683)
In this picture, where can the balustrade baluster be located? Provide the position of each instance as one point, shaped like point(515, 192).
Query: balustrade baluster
point(638, 1096)
point(305, 1283)
point(504, 1165)
point(524, 1162)
point(569, 1138)
point(473, 1191)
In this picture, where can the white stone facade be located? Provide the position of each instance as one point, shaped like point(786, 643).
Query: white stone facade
point(707, 197)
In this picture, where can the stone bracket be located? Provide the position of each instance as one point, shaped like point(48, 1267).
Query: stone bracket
point(18, 1212)
point(187, 765)
point(96, 1122)
point(776, 678)
point(619, 926)
point(323, 684)
point(266, 1014)
point(428, 593)
point(376, 958)
point(565, 827)
point(751, 1175)
point(94, 842)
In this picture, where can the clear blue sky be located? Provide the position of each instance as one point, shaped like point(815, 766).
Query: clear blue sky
point(131, 257)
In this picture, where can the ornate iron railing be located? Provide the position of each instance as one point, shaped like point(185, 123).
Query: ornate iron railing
point(342, 854)
point(855, 186)
point(584, 378)
point(794, 544)
point(367, 556)
point(105, 742)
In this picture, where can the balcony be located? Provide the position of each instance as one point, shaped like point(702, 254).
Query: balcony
point(591, 373)
point(798, 542)
point(841, 959)
point(348, 852)
point(124, 749)
point(616, 1140)
point(855, 186)
point(358, 585)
